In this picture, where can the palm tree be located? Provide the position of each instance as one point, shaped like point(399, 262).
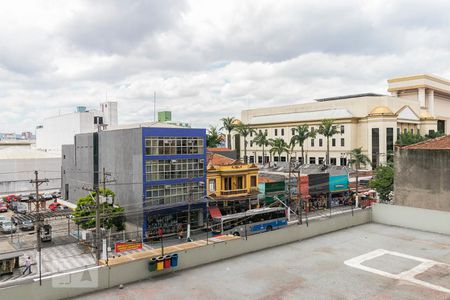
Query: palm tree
point(244, 130)
point(301, 134)
point(261, 140)
point(278, 147)
point(356, 159)
point(328, 129)
point(228, 125)
point(213, 137)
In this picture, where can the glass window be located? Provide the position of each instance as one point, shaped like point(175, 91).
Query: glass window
point(252, 181)
point(212, 185)
point(312, 142)
point(282, 131)
point(342, 129)
point(174, 169)
point(173, 145)
point(333, 161)
point(321, 159)
point(276, 132)
point(320, 142)
point(333, 142)
point(342, 142)
point(312, 160)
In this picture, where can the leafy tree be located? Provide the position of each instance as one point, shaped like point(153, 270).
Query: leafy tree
point(112, 215)
point(409, 138)
point(245, 130)
point(228, 125)
point(278, 147)
point(434, 134)
point(328, 130)
point(357, 158)
point(383, 182)
point(213, 137)
point(301, 134)
point(261, 140)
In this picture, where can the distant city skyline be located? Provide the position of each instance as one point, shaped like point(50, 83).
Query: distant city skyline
point(207, 59)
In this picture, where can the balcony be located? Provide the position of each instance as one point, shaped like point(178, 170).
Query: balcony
point(233, 192)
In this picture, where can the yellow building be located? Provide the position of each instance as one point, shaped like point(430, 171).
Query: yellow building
point(231, 182)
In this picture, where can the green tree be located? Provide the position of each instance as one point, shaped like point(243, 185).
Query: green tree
point(261, 140)
point(278, 147)
point(228, 125)
point(383, 181)
point(213, 137)
point(357, 158)
point(434, 134)
point(301, 134)
point(245, 130)
point(409, 138)
point(112, 215)
point(328, 130)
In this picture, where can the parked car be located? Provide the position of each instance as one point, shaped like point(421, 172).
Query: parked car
point(47, 196)
point(10, 198)
point(3, 219)
point(56, 206)
point(25, 197)
point(18, 207)
point(26, 225)
point(3, 206)
point(8, 227)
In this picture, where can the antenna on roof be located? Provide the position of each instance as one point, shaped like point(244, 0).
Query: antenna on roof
point(154, 106)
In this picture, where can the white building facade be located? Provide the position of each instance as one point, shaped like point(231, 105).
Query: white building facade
point(56, 131)
point(417, 104)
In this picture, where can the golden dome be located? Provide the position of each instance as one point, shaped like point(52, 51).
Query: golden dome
point(381, 111)
point(237, 122)
point(425, 115)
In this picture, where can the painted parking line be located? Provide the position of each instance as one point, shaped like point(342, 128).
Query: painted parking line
point(408, 275)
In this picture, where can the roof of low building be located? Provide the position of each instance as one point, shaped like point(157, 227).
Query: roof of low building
point(25, 153)
point(220, 160)
point(440, 143)
point(349, 96)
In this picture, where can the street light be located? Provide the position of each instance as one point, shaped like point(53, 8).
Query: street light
point(207, 198)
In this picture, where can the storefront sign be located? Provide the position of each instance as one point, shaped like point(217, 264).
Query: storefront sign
point(122, 247)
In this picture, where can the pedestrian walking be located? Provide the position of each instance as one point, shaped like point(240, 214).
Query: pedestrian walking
point(180, 233)
point(27, 265)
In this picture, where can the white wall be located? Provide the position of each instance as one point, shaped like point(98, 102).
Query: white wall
point(411, 217)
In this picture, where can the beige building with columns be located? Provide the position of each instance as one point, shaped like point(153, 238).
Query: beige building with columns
point(417, 104)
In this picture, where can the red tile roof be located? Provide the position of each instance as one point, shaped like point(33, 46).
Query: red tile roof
point(262, 179)
point(222, 149)
point(440, 143)
point(220, 160)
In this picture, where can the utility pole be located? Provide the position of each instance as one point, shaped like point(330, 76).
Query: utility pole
point(38, 182)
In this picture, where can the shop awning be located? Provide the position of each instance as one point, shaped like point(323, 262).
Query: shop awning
point(214, 212)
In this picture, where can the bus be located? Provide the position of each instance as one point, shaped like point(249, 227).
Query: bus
point(250, 222)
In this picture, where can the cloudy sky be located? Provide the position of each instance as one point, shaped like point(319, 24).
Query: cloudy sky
point(208, 59)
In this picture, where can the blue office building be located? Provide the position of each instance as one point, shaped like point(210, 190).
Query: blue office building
point(157, 172)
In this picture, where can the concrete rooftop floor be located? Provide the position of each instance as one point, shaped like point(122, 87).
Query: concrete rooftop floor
point(310, 269)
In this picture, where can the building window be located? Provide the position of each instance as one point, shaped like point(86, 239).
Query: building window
point(333, 142)
point(265, 131)
point(321, 159)
point(276, 132)
point(282, 131)
point(252, 159)
point(441, 126)
point(312, 160)
point(418, 131)
point(312, 142)
point(342, 129)
point(389, 143)
point(259, 159)
point(342, 142)
point(212, 185)
point(283, 158)
point(173, 145)
point(431, 131)
point(405, 131)
point(251, 143)
point(333, 161)
point(398, 132)
point(251, 133)
point(293, 131)
point(253, 181)
point(412, 130)
point(343, 161)
point(375, 145)
point(166, 169)
point(240, 183)
point(64, 156)
point(275, 158)
point(173, 193)
point(260, 131)
point(320, 142)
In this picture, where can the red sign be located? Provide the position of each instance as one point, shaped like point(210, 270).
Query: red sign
point(122, 247)
point(160, 232)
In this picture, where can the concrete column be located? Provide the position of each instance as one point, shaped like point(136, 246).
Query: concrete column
point(421, 97)
point(430, 103)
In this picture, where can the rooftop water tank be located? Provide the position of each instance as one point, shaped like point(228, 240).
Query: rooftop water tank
point(81, 109)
